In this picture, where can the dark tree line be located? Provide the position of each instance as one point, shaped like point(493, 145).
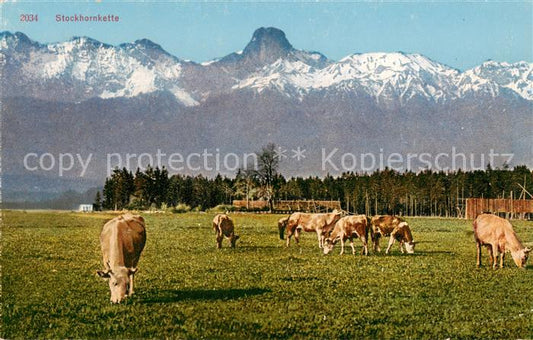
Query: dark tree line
point(428, 193)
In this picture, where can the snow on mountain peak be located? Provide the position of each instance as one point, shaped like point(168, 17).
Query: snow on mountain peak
point(104, 70)
point(398, 75)
point(391, 75)
point(515, 76)
point(95, 69)
point(16, 40)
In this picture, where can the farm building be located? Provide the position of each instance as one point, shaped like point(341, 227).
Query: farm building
point(290, 205)
point(85, 207)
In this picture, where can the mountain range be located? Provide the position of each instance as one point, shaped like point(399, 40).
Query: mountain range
point(269, 62)
point(84, 96)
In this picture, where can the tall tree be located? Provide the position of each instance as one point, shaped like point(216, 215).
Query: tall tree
point(245, 186)
point(97, 205)
point(267, 171)
point(108, 202)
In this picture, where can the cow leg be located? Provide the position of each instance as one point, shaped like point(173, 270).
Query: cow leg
point(502, 256)
point(391, 242)
point(478, 260)
point(401, 247)
point(365, 245)
point(130, 290)
point(375, 241)
point(291, 230)
point(342, 246)
point(489, 250)
point(220, 237)
point(289, 234)
point(351, 245)
point(297, 236)
point(492, 259)
point(319, 234)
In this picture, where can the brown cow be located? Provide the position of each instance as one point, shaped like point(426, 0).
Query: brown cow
point(397, 228)
point(223, 226)
point(497, 235)
point(122, 240)
point(319, 223)
point(347, 228)
point(282, 224)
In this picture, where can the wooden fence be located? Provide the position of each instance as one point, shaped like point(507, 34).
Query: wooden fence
point(289, 206)
point(512, 208)
point(252, 205)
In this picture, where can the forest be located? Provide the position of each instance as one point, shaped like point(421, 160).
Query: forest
point(385, 191)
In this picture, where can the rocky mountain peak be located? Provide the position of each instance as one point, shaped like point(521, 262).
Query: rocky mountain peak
point(267, 45)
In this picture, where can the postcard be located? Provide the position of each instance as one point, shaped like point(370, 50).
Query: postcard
point(241, 160)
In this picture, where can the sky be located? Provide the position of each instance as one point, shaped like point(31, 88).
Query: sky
point(458, 34)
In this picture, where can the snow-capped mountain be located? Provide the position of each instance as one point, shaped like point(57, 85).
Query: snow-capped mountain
point(267, 46)
point(88, 68)
point(383, 76)
point(86, 97)
point(517, 77)
point(83, 68)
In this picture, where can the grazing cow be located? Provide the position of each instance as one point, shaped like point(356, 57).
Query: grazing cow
point(282, 224)
point(497, 235)
point(319, 223)
point(397, 228)
point(347, 228)
point(122, 240)
point(223, 226)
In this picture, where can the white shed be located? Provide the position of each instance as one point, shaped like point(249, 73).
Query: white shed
point(85, 207)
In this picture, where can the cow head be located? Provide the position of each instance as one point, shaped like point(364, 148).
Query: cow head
point(118, 282)
point(410, 247)
point(281, 232)
point(282, 225)
point(406, 236)
point(233, 240)
point(328, 246)
point(520, 257)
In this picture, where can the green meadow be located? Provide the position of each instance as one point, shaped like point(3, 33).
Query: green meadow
point(186, 288)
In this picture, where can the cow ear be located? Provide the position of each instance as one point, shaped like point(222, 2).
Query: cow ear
point(132, 271)
point(527, 250)
point(104, 274)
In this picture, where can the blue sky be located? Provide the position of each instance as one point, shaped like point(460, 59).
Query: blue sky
point(459, 34)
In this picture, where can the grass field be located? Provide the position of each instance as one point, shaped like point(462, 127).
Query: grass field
point(185, 288)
